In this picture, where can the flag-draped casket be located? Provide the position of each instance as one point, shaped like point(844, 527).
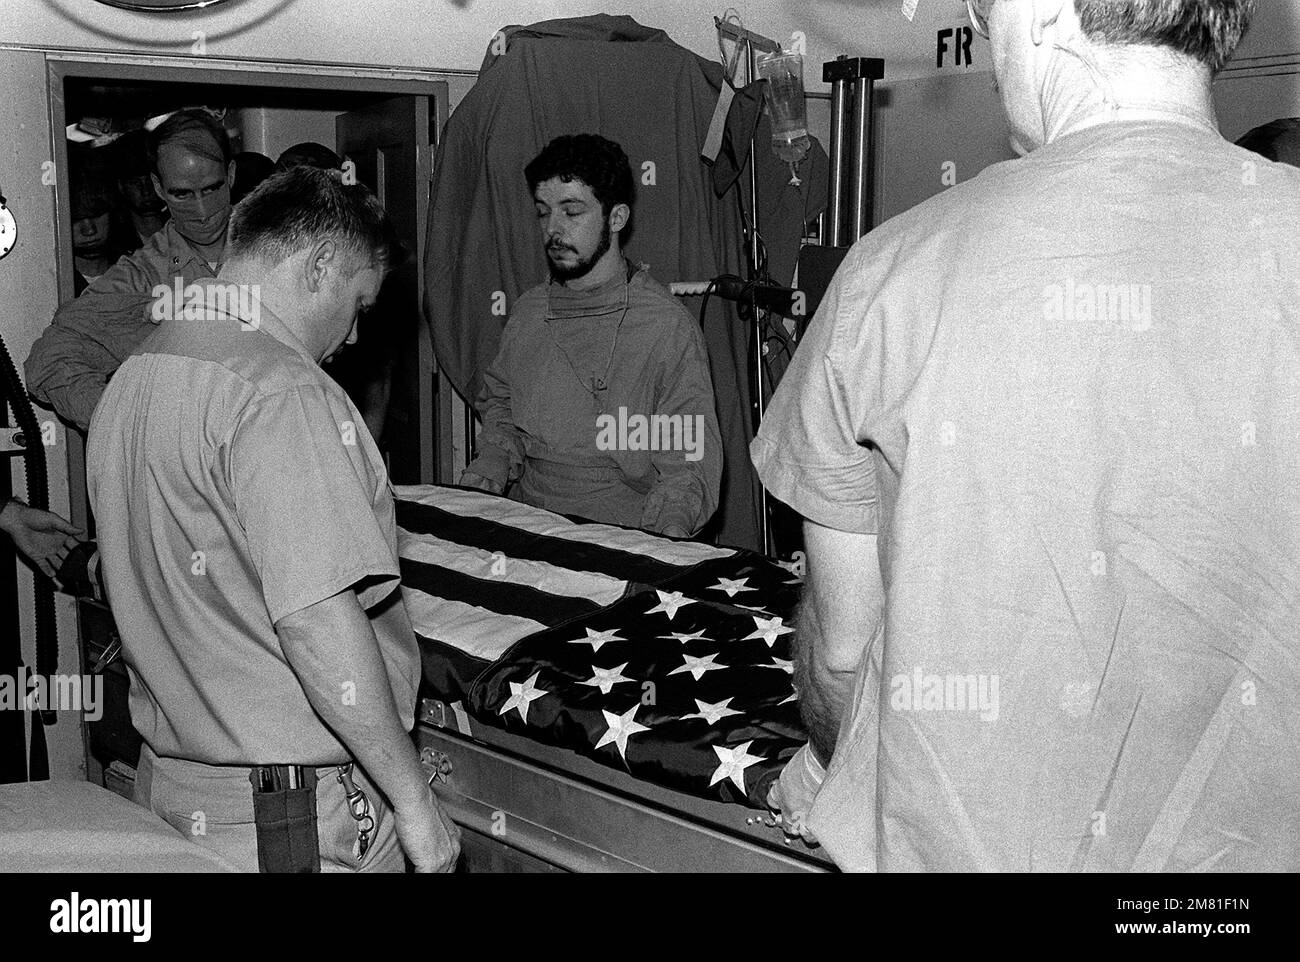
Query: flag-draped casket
point(668, 659)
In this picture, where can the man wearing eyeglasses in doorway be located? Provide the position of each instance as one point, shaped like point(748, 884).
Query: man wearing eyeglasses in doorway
point(1060, 404)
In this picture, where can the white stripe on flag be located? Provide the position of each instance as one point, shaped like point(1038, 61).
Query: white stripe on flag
point(475, 631)
point(495, 566)
point(477, 504)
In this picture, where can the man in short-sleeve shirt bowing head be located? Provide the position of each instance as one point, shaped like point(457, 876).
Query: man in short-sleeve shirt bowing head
point(248, 542)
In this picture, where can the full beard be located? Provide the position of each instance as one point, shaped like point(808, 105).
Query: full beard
point(582, 268)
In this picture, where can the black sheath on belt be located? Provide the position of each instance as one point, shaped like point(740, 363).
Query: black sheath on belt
point(285, 819)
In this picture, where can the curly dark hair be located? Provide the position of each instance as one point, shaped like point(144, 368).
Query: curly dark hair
point(591, 159)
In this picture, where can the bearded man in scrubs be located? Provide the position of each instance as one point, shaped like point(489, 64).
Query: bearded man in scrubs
point(599, 403)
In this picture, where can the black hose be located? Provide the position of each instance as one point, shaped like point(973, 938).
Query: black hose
point(704, 304)
point(38, 496)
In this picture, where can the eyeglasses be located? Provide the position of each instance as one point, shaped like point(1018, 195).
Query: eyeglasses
point(978, 20)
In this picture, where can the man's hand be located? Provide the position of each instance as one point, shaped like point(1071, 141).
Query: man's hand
point(429, 838)
point(44, 537)
point(792, 795)
point(468, 479)
point(331, 646)
point(675, 531)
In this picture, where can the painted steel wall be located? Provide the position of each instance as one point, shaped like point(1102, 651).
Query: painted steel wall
point(28, 297)
point(450, 34)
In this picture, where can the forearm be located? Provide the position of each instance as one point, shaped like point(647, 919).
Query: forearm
point(500, 443)
point(71, 363)
point(687, 482)
point(841, 611)
point(824, 689)
point(74, 400)
point(331, 647)
point(500, 457)
point(68, 373)
point(688, 468)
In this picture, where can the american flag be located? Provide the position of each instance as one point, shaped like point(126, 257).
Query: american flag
point(667, 659)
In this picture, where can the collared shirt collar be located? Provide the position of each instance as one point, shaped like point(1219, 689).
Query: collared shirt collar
point(181, 251)
point(218, 304)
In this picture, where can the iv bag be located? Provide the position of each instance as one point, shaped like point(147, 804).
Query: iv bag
point(785, 105)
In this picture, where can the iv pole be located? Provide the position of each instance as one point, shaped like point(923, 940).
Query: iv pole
point(851, 188)
point(754, 44)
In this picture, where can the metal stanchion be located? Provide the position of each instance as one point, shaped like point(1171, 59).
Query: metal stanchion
point(852, 185)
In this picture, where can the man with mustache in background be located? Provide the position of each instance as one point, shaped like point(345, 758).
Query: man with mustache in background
point(193, 171)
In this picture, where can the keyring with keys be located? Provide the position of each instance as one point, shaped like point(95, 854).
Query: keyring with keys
point(359, 809)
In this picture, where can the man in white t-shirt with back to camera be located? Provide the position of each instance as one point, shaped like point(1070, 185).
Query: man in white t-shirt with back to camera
point(1061, 405)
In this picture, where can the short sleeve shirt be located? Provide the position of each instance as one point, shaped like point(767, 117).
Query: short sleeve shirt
point(1066, 397)
point(234, 484)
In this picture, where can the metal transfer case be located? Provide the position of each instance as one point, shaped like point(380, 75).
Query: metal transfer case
point(525, 806)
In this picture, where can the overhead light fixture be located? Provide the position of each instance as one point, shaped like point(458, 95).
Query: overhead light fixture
point(160, 6)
